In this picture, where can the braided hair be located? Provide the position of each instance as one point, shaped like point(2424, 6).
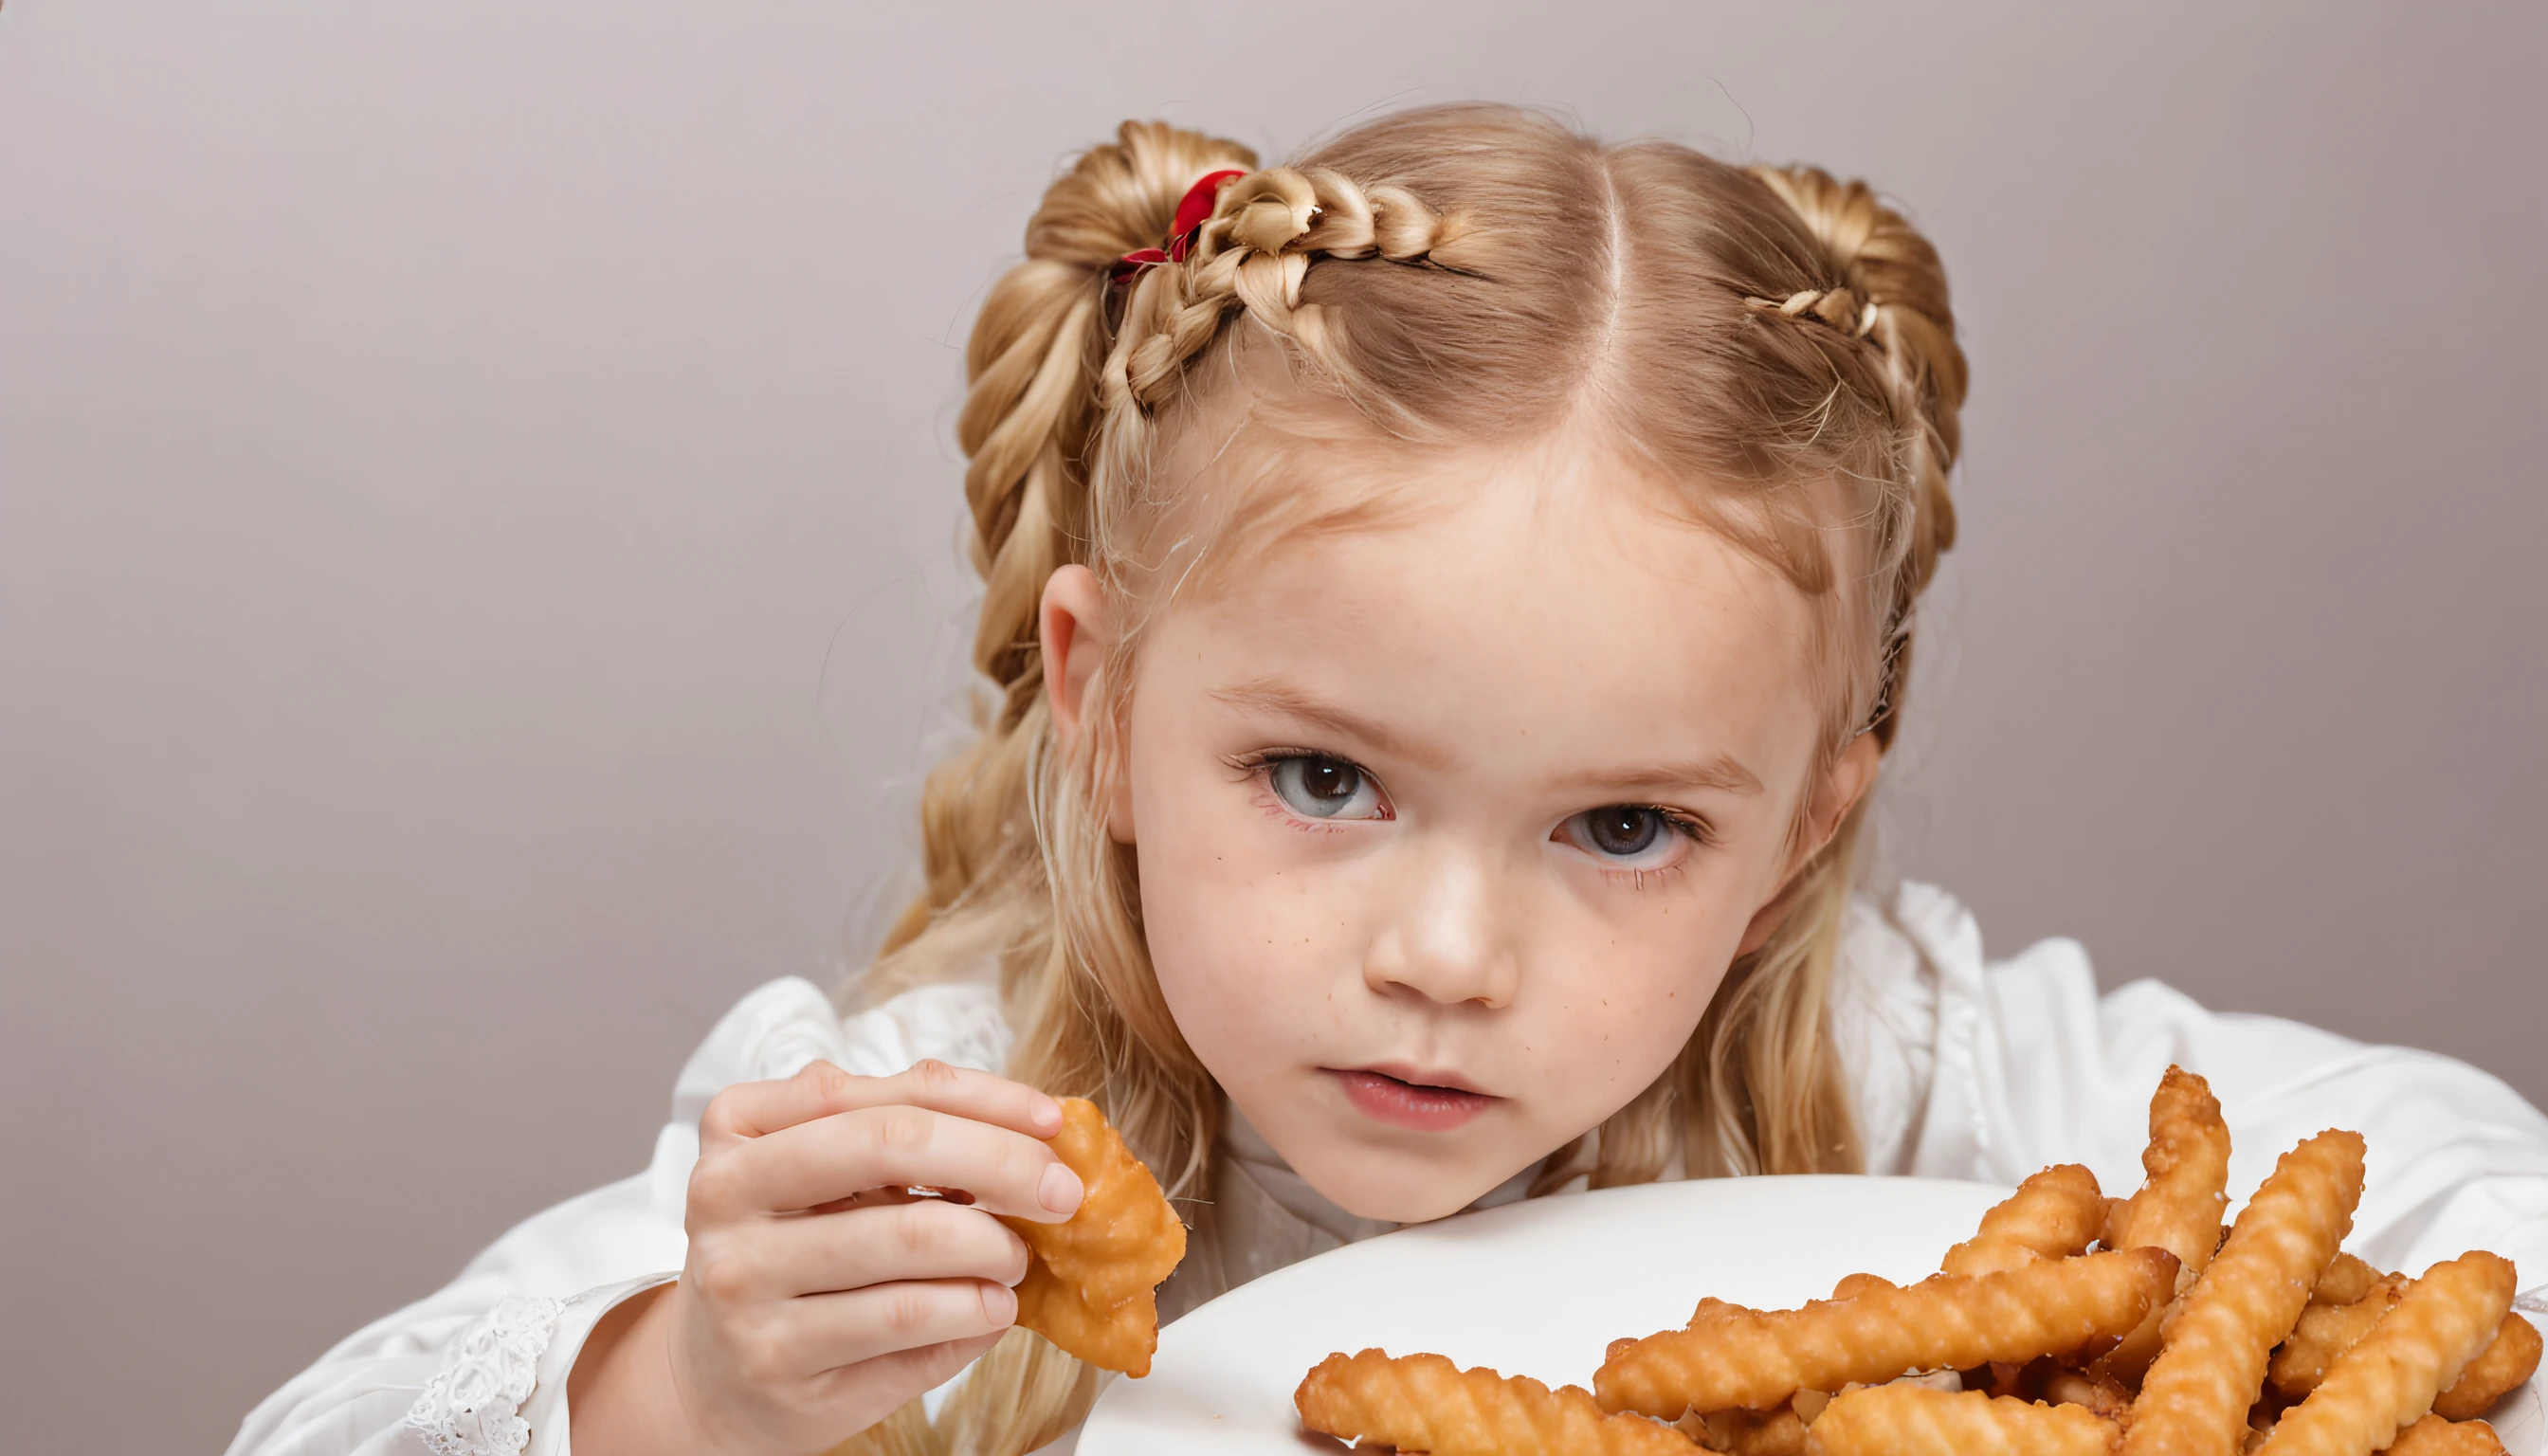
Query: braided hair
point(1892, 291)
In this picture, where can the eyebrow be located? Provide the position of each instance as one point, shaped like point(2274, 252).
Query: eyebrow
point(1721, 771)
point(1264, 695)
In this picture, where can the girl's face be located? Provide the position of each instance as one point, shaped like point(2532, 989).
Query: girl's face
point(1449, 831)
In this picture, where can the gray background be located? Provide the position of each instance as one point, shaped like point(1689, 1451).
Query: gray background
point(476, 573)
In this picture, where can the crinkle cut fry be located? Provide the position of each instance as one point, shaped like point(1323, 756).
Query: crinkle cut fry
point(2389, 1379)
point(2435, 1436)
point(1424, 1403)
point(2323, 1332)
point(2346, 1280)
point(2185, 1170)
point(1731, 1357)
point(2506, 1362)
point(2053, 1215)
point(2194, 1401)
point(1916, 1420)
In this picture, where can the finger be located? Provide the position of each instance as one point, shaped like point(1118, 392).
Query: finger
point(830, 1252)
point(749, 1110)
point(816, 1162)
point(925, 1239)
point(825, 1330)
point(904, 1374)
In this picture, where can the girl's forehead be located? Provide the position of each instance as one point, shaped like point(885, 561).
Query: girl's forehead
point(1532, 593)
point(1560, 522)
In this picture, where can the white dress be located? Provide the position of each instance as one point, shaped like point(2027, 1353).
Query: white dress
point(1960, 1069)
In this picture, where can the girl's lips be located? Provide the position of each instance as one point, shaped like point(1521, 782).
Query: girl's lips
point(1421, 1107)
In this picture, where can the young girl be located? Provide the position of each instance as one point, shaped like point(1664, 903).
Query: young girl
point(1450, 598)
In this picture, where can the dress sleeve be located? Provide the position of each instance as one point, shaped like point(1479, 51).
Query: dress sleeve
point(480, 1367)
point(1992, 1070)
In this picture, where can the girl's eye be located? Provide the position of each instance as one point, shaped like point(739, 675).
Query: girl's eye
point(1318, 787)
point(1623, 831)
point(1637, 837)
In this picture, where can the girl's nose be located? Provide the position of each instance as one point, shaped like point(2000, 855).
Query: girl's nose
point(1446, 942)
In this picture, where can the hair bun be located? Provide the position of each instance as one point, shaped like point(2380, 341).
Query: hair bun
point(1883, 262)
point(1122, 196)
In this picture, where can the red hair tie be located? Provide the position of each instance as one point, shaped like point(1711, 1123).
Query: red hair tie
point(1192, 212)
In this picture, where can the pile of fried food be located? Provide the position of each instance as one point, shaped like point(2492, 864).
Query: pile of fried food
point(2068, 1323)
point(1092, 1280)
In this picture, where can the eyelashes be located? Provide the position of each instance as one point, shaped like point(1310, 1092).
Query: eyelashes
point(1315, 786)
point(1319, 792)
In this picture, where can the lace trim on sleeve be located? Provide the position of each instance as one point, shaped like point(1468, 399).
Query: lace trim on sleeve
point(473, 1406)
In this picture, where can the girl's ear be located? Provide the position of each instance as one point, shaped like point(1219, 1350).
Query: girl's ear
point(1074, 630)
point(1850, 777)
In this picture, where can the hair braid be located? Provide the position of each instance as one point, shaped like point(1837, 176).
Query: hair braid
point(1032, 362)
point(1252, 254)
point(1891, 290)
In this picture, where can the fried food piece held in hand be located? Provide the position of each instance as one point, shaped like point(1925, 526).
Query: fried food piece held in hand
point(2501, 1365)
point(1123, 1337)
point(1916, 1420)
point(2389, 1379)
point(1424, 1403)
point(2052, 1215)
point(2434, 1436)
point(2212, 1366)
point(2185, 1178)
point(1091, 1281)
point(1729, 1356)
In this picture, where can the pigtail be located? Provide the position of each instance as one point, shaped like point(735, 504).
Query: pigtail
point(1033, 364)
point(1768, 1092)
point(1891, 288)
point(1005, 842)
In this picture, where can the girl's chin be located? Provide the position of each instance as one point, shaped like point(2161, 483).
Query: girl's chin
point(1374, 1164)
point(1391, 1191)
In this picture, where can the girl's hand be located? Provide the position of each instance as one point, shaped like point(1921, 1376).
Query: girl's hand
point(819, 1292)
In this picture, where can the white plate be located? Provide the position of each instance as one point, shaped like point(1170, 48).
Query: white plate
point(1540, 1288)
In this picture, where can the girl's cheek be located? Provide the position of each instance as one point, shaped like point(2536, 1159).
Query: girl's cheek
point(1231, 910)
point(1622, 983)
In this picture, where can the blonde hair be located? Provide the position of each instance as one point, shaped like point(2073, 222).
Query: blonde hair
point(1775, 339)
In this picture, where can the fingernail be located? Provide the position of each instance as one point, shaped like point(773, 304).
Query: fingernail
point(999, 1306)
point(1060, 1189)
point(1045, 1113)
